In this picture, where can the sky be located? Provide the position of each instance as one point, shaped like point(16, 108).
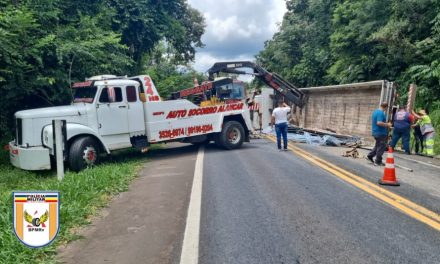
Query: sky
point(236, 29)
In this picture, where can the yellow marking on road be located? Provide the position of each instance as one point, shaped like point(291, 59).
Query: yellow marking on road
point(394, 196)
point(408, 207)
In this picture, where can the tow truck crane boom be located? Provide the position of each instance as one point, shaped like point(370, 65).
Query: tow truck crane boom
point(276, 82)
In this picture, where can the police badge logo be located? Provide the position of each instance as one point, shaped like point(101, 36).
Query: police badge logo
point(36, 217)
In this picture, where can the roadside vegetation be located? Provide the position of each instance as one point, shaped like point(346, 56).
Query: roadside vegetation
point(46, 45)
point(82, 194)
point(435, 116)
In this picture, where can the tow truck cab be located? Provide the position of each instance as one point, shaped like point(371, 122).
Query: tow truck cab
point(110, 113)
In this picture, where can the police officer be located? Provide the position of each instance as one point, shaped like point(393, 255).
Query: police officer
point(402, 128)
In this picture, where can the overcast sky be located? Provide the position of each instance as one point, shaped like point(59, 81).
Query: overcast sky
point(236, 29)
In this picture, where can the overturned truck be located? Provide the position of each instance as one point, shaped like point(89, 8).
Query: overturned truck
point(343, 109)
point(346, 109)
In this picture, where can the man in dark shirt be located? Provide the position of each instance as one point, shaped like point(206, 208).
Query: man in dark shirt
point(418, 139)
point(380, 134)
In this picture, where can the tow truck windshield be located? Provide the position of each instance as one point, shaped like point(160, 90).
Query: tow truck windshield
point(84, 94)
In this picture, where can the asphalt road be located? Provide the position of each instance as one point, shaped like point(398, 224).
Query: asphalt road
point(264, 206)
point(257, 205)
point(421, 186)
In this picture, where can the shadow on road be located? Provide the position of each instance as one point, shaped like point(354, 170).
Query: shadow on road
point(246, 146)
point(172, 150)
point(175, 149)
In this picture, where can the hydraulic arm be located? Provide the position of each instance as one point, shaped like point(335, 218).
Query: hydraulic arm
point(273, 80)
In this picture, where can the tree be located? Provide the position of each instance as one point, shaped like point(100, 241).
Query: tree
point(48, 44)
point(300, 51)
point(328, 42)
point(168, 75)
point(143, 24)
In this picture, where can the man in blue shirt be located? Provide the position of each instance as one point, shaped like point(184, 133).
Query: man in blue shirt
point(380, 134)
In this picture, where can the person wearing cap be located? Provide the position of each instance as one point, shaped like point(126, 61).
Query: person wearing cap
point(427, 130)
point(402, 128)
point(379, 128)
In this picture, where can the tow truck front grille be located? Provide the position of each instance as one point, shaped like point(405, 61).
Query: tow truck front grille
point(19, 130)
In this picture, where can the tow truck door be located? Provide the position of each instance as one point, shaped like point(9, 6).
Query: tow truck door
point(112, 114)
point(136, 121)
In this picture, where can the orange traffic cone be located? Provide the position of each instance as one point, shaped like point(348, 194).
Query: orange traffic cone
point(389, 173)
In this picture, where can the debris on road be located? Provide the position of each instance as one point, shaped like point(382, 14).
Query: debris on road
point(255, 135)
point(316, 137)
point(352, 152)
point(405, 168)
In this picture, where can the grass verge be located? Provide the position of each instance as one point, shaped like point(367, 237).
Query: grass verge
point(81, 195)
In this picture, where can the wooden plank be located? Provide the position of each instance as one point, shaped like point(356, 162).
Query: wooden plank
point(411, 97)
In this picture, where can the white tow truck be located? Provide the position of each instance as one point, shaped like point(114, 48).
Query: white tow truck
point(109, 113)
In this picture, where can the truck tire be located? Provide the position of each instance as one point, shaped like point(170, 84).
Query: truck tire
point(232, 135)
point(83, 153)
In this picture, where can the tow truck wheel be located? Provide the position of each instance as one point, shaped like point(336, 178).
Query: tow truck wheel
point(83, 153)
point(232, 135)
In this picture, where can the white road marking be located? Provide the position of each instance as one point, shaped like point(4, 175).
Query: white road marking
point(190, 246)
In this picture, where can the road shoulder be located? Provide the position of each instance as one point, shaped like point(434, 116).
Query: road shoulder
point(145, 224)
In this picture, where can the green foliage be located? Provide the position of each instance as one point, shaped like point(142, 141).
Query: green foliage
point(357, 56)
point(143, 24)
point(300, 51)
point(47, 44)
point(163, 67)
point(171, 78)
point(435, 119)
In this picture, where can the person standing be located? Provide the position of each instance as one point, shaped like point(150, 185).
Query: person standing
point(427, 130)
point(402, 128)
point(279, 119)
point(418, 139)
point(379, 128)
